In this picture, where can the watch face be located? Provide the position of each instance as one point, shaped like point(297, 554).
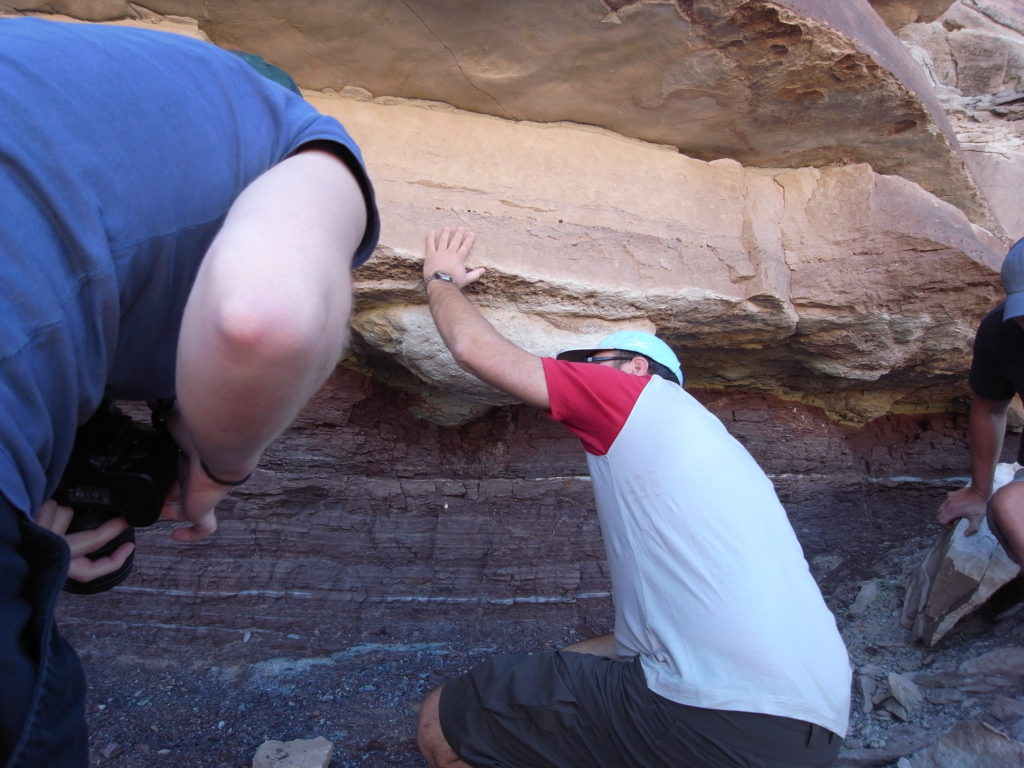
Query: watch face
point(442, 275)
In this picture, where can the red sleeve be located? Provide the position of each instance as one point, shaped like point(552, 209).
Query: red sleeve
point(593, 401)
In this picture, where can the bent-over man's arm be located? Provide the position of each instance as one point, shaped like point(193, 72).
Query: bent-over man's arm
point(266, 322)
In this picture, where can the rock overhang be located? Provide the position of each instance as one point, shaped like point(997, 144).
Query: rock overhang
point(769, 185)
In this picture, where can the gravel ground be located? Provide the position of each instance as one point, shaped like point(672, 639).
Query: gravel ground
point(157, 700)
point(167, 696)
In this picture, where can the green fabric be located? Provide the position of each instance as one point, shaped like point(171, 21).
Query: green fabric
point(268, 70)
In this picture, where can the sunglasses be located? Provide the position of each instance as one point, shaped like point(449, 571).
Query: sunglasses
point(608, 359)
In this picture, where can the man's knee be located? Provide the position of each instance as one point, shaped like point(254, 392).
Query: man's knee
point(429, 736)
point(1007, 512)
point(1008, 505)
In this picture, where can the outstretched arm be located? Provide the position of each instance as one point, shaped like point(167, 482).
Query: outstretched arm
point(985, 434)
point(474, 343)
point(266, 322)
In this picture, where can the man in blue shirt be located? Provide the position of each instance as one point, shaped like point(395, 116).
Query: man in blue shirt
point(173, 225)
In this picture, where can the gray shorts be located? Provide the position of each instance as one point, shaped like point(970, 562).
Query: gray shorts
point(572, 710)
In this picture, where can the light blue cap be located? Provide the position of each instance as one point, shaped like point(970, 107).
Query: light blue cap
point(646, 344)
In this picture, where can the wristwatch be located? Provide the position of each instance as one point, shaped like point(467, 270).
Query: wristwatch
point(440, 275)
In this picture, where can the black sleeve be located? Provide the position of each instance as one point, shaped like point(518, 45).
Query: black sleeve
point(988, 378)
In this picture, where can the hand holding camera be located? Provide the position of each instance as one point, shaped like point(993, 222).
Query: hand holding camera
point(123, 474)
point(83, 568)
point(117, 478)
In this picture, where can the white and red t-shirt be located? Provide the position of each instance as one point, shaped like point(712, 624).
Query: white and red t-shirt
point(710, 584)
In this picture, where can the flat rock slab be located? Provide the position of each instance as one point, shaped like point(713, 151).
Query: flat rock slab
point(958, 575)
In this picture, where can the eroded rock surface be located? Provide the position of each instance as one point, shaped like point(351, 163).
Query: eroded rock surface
point(826, 285)
point(788, 83)
point(837, 252)
point(974, 58)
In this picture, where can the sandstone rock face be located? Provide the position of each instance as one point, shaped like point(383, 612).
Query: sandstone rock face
point(749, 274)
point(974, 57)
point(774, 187)
point(784, 83)
point(810, 304)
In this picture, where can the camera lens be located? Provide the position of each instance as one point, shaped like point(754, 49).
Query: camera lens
point(84, 522)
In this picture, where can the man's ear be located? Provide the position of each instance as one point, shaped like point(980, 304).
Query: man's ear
point(638, 366)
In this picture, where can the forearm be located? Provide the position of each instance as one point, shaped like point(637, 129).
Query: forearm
point(461, 325)
point(475, 344)
point(986, 431)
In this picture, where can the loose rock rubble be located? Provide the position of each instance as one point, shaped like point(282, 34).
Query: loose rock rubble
point(156, 701)
point(957, 704)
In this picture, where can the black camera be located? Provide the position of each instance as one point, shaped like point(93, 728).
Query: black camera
point(119, 467)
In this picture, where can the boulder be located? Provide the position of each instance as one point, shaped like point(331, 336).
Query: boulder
point(957, 576)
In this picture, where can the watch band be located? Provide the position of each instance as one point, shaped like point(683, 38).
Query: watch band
point(439, 275)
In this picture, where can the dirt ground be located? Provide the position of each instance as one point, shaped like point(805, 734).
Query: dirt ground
point(160, 696)
point(165, 695)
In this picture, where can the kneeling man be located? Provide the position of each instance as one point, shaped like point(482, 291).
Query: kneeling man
point(724, 652)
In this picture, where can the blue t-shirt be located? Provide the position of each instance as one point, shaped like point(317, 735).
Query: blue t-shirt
point(121, 151)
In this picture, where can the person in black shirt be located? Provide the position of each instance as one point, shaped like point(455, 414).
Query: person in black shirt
point(997, 374)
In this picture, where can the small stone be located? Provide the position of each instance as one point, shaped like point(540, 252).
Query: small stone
point(299, 753)
point(1006, 709)
point(865, 597)
point(868, 688)
point(110, 750)
point(943, 695)
point(906, 692)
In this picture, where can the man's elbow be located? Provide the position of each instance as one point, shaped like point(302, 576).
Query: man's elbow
point(465, 354)
point(274, 335)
